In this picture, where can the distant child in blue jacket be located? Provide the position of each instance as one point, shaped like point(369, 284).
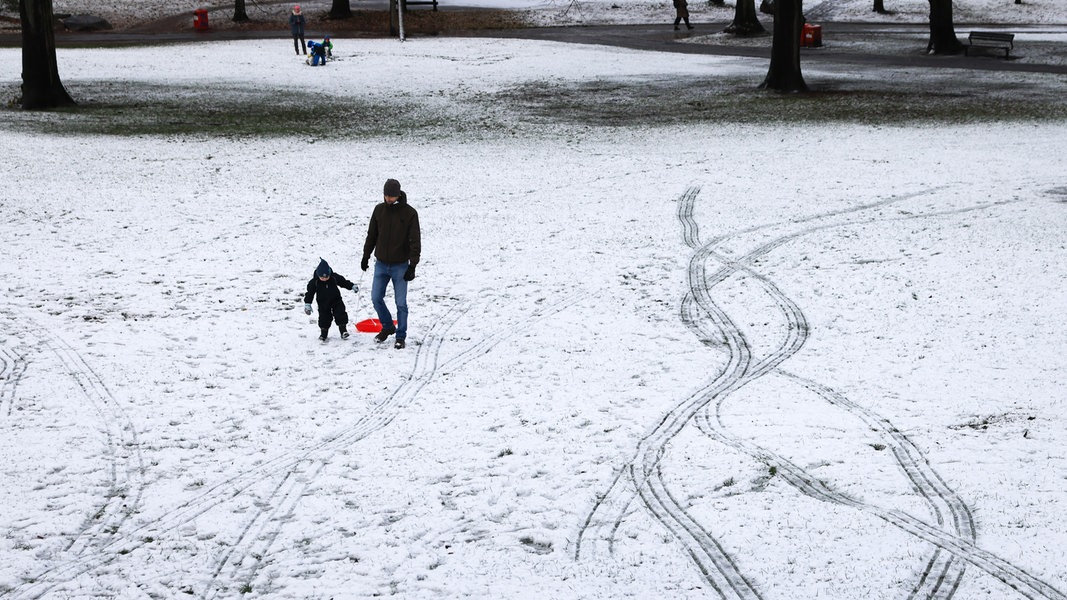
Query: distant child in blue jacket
point(325, 284)
point(318, 53)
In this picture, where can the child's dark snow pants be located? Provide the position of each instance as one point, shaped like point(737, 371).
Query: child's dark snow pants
point(336, 313)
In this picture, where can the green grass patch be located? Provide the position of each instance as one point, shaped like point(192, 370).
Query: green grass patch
point(736, 100)
point(138, 109)
point(131, 108)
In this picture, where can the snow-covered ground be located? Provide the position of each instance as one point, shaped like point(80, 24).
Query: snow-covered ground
point(708, 360)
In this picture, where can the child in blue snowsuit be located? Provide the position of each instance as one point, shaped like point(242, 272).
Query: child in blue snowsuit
point(325, 285)
point(318, 53)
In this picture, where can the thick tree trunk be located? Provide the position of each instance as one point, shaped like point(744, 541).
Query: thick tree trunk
point(239, 13)
point(784, 72)
point(41, 87)
point(341, 9)
point(746, 21)
point(943, 38)
point(879, 7)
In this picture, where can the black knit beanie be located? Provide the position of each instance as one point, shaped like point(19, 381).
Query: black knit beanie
point(323, 269)
point(392, 188)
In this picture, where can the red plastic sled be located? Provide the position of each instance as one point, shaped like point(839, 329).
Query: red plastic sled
point(370, 325)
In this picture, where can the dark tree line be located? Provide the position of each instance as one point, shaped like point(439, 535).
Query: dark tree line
point(784, 73)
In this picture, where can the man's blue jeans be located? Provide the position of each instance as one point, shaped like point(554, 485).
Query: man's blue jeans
point(384, 273)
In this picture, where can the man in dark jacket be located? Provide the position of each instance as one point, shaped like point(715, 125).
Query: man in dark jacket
point(331, 307)
point(393, 236)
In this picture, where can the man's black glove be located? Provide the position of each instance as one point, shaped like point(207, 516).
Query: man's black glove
point(365, 264)
point(410, 273)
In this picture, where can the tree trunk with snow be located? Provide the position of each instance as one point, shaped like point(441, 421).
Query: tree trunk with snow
point(784, 74)
point(41, 87)
point(942, 32)
point(879, 7)
point(745, 19)
point(239, 13)
point(341, 9)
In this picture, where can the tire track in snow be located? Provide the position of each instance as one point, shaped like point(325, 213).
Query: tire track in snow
point(944, 571)
point(716, 565)
point(290, 465)
point(224, 491)
point(241, 563)
point(710, 334)
point(245, 558)
point(124, 461)
point(12, 367)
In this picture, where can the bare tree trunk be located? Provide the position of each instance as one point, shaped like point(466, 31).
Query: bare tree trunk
point(745, 19)
point(943, 38)
point(341, 9)
point(784, 74)
point(41, 87)
point(717, 2)
point(239, 13)
point(879, 7)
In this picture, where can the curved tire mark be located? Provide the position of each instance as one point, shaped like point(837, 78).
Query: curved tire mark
point(13, 366)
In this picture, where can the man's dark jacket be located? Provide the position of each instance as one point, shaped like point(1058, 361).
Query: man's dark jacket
point(393, 234)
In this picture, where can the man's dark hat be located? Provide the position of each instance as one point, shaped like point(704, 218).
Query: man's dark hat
point(392, 187)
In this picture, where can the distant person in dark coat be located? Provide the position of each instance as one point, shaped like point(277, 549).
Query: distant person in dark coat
point(325, 286)
point(681, 11)
point(296, 27)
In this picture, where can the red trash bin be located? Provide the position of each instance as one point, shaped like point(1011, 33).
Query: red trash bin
point(200, 19)
point(811, 36)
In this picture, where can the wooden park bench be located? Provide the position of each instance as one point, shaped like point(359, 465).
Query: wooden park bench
point(421, 2)
point(990, 39)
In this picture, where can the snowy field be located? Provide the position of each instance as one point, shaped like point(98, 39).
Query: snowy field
point(698, 360)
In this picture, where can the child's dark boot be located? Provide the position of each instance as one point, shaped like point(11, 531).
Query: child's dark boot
point(325, 332)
